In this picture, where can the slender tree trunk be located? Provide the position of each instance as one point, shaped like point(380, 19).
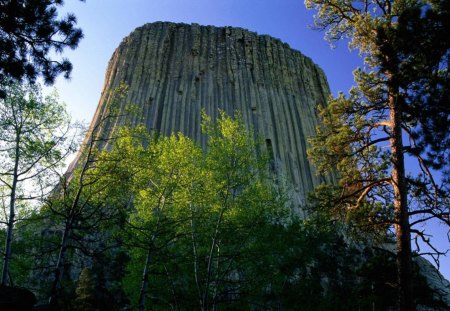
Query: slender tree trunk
point(216, 283)
point(12, 215)
point(194, 250)
point(70, 220)
point(210, 258)
point(9, 234)
point(144, 284)
point(59, 269)
point(402, 228)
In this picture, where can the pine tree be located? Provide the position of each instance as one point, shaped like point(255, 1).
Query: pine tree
point(29, 32)
point(398, 109)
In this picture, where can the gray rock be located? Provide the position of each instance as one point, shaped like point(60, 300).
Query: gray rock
point(435, 280)
point(175, 70)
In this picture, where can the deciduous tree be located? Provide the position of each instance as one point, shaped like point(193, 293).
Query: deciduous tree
point(34, 141)
point(84, 200)
point(201, 217)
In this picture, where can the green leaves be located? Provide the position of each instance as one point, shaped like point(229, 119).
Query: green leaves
point(32, 126)
point(395, 115)
point(197, 213)
point(34, 141)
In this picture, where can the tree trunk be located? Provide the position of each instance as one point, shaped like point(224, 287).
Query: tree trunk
point(12, 215)
point(70, 220)
point(210, 257)
point(402, 228)
point(9, 234)
point(144, 284)
point(194, 250)
point(59, 269)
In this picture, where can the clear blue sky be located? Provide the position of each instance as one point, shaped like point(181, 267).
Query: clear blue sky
point(106, 22)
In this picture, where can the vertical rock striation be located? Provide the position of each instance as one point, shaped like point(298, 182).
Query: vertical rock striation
point(175, 70)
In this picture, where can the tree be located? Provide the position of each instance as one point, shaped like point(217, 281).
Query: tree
point(34, 141)
point(201, 217)
point(402, 94)
point(86, 298)
point(237, 204)
point(86, 197)
point(159, 172)
point(30, 31)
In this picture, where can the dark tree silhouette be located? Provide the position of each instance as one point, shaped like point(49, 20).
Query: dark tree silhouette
point(30, 30)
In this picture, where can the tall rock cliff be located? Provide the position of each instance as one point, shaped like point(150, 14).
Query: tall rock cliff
point(175, 70)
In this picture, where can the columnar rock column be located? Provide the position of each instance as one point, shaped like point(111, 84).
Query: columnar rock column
point(175, 70)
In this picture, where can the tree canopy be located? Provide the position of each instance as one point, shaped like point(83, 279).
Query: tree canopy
point(198, 214)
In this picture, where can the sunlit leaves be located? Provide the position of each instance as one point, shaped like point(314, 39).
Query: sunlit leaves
point(198, 212)
point(34, 135)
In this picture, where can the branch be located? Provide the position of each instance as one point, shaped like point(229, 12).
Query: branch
point(365, 190)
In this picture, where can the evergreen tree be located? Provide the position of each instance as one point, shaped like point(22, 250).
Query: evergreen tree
point(30, 31)
point(398, 109)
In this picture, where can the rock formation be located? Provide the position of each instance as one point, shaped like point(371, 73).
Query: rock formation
point(175, 70)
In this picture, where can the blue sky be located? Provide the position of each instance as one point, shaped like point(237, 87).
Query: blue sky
point(106, 22)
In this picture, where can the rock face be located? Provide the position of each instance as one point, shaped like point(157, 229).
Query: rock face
point(439, 285)
point(175, 70)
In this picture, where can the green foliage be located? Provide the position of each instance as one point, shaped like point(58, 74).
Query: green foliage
point(88, 205)
point(418, 48)
point(99, 287)
point(22, 262)
point(216, 228)
point(357, 135)
point(212, 230)
point(86, 292)
point(398, 110)
point(200, 215)
point(34, 141)
point(33, 130)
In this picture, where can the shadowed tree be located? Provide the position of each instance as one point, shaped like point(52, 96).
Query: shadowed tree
point(85, 292)
point(399, 109)
point(86, 198)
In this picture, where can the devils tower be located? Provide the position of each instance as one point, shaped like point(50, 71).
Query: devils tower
point(173, 71)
